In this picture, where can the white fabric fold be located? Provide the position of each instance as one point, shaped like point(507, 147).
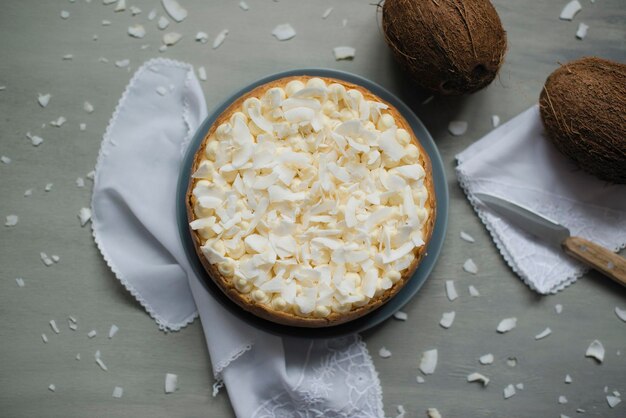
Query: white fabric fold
point(516, 162)
point(134, 226)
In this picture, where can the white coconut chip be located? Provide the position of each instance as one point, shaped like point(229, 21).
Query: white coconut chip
point(163, 48)
point(344, 23)
point(473, 291)
point(219, 39)
point(570, 10)
point(470, 267)
point(401, 411)
point(457, 127)
point(558, 308)
point(72, 325)
point(122, 63)
point(48, 187)
point(161, 90)
point(400, 316)
point(467, 237)
point(519, 386)
point(284, 32)
point(202, 73)
point(613, 401)
point(46, 260)
point(543, 334)
point(244, 6)
point(477, 377)
point(509, 391)
point(91, 175)
point(171, 38)
point(595, 350)
point(2, 88)
point(175, 10)
point(447, 319)
point(163, 23)
point(95, 37)
point(5, 159)
point(64, 14)
point(511, 362)
point(103, 59)
point(563, 416)
point(606, 389)
point(55, 258)
point(28, 192)
point(137, 31)
point(420, 379)
point(106, 23)
point(616, 393)
point(486, 359)
point(100, 363)
point(52, 388)
point(44, 99)
point(581, 33)
point(171, 382)
point(53, 325)
point(120, 6)
point(80, 182)
point(568, 378)
point(580, 411)
point(495, 120)
point(451, 290)
point(433, 413)
point(384, 353)
point(34, 139)
point(562, 400)
point(344, 53)
point(113, 330)
point(19, 281)
point(621, 313)
point(59, 122)
point(118, 392)
point(92, 333)
point(134, 10)
point(506, 325)
point(428, 363)
point(12, 220)
point(327, 12)
point(68, 57)
point(202, 37)
point(44, 337)
point(84, 215)
point(77, 357)
point(152, 15)
point(107, 2)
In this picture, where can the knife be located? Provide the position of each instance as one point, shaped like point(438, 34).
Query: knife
point(555, 234)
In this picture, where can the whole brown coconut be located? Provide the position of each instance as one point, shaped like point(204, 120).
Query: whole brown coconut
point(583, 108)
point(447, 46)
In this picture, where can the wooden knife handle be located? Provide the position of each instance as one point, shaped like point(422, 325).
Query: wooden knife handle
point(598, 257)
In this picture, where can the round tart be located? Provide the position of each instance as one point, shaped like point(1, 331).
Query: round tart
point(311, 201)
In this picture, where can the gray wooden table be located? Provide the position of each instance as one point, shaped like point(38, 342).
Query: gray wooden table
point(34, 40)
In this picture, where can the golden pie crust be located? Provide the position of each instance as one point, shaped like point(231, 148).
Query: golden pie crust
point(266, 311)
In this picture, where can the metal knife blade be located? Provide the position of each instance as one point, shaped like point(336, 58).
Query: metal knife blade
point(546, 229)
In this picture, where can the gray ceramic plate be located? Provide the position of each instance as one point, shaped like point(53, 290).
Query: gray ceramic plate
point(408, 291)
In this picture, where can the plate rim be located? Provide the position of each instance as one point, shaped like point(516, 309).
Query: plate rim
point(418, 278)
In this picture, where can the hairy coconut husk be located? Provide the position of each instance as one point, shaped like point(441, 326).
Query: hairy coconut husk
point(583, 108)
point(447, 46)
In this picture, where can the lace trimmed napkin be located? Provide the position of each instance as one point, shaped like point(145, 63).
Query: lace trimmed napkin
point(517, 163)
point(134, 226)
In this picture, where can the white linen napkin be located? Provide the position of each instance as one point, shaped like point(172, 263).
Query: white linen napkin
point(516, 162)
point(134, 226)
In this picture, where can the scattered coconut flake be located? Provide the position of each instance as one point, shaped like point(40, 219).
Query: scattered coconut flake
point(344, 22)
point(101, 364)
point(107, 2)
point(82, 126)
point(72, 325)
point(134, 10)
point(564, 416)
point(467, 237)
point(621, 313)
point(473, 291)
point(46, 260)
point(509, 391)
point(44, 337)
point(120, 6)
point(344, 53)
point(570, 10)
point(568, 378)
point(92, 333)
point(171, 38)
point(28, 193)
point(137, 31)
point(428, 100)
point(433, 413)
point(428, 363)
point(59, 122)
point(451, 290)
point(163, 48)
point(562, 400)
point(122, 63)
point(486, 359)
point(613, 401)
point(558, 308)
point(519, 386)
point(457, 127)
point(616, 393)
point(106, 23)
point(161, 90)
point(68, 57)
point(580, 411)
point(91, 174)
point(102, 59)
point(171, 382)
point(327, 12)
point(401, 316)
point(595, 350)
point(118, 392)
point(56, 258)
point(3, 88)
point(470, 267)
point(543, 334)
point(175, 10)
point(71, 318)
point(53, 325)
point(34, 139)
point(84, 215)
point(420, 379)
point(5, 159)
point(582, 31)
point(19, 281)
point(401, 411)
point(202, 73)
point(202, 37)
point(477, 377)
point(606, 389)
point(12, 220)
point(163, 23)
point(511, 362)
point(495, 120)
point(48, 187)
point(152, 15)
point(384, 353)
point(113, 330)
point(447, 319)
point(95, 37)
point(80, 182)
point(78, 356)
point(244, 6)
point(506, 325)
point(52, 388)
point(284, 32)
point(65, 14)
point(219, 39)
point(44, 99)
